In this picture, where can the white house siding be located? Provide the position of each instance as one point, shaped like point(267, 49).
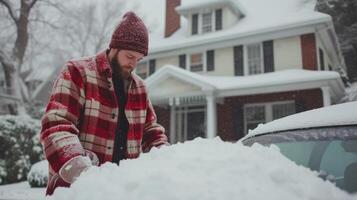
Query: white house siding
point(228, 17)
point(287, 53)
point(327, 59)
point(223, 62)
point(171, 60)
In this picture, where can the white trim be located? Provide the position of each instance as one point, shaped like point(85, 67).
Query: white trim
point(211, 114)
point(326, 96)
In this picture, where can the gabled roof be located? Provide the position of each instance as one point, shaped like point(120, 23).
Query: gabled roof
point(222, 86)
point(260, 17)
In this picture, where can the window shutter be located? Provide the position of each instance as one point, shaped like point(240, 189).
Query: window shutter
point(152, 66)
point(194, 24)
point(268, 50)
point(238, 60)
point(322, 60)
point(238, 122)
point(210, 60)
point(300, 106)
point(182, 61)
point(219, 19)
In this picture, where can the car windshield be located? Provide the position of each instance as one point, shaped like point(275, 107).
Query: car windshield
point(332, 151)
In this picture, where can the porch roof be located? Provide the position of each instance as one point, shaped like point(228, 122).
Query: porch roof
point(172, 81)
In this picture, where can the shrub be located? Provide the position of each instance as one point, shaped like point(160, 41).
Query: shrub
point(38, 174)
point(20, 147)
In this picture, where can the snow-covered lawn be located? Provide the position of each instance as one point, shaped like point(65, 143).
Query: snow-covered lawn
point(207, 169)
point(21, 191)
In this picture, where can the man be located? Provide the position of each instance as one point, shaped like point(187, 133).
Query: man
point(99, 110)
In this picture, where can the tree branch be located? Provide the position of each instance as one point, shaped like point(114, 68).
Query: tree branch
point(32, 4)
point(6, 3)
point(44, 22)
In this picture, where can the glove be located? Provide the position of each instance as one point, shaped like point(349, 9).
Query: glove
point(71, 170)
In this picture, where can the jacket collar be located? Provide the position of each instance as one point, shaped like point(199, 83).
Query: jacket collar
point(104, 68)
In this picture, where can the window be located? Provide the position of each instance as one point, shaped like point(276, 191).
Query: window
point(255, 114)
point(196, 62)
point(206, 22)
point(182, 61)
point(255, 61)
point(142, 70)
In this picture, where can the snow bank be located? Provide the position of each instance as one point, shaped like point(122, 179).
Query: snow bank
point(203, 169)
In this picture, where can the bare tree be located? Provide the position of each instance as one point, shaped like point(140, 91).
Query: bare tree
point(12, 60)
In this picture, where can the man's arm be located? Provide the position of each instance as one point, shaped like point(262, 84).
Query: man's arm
point(59, 134)
point(154, 133)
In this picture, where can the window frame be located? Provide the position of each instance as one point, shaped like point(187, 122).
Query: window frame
point(204, 62)
point(246, 58)
point(268, 110)
point(146, 64)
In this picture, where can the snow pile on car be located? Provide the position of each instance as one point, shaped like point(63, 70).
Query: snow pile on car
point(203, 169)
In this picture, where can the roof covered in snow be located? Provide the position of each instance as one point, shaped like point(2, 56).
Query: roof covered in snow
point(281, 80)
point(260, 17)
point(341, 114)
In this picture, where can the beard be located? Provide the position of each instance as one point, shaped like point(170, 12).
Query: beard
point(118, 68)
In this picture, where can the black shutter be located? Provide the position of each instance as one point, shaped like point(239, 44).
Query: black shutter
point(152, 66)
point(238, 60)
point(268, 51)
point(322, 60)
point(238, 121)
point(300, 106)
point(210, 60)
point(182, 61)
point(194, 24)
point(219, 19)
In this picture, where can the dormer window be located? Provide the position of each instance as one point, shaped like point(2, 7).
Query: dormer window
point(206, 22)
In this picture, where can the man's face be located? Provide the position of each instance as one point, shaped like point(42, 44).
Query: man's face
point(125, 61)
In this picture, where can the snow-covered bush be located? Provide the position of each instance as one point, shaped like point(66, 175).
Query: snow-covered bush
point(20, 147)
point(38, 174)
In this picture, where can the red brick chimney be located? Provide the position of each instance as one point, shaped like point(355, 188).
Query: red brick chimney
point(172, 21)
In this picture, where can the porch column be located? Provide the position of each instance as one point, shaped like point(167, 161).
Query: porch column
point(172, 121)
point(211, 117)
point(326, 94)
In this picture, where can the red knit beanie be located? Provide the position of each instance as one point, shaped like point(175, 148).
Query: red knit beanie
point(130, 34)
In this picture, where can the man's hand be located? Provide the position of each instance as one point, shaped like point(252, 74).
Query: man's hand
point(71, 170)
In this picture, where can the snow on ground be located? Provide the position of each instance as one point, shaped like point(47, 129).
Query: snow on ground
point(21, 191)
point(203, 169)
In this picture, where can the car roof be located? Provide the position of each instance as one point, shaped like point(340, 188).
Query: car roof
point(335, 115)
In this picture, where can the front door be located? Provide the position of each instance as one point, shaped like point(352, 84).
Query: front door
point(190, 123)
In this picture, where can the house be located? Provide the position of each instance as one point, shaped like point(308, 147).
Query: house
point(224, 66)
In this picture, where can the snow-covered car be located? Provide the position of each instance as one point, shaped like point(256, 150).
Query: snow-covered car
point(324, 140)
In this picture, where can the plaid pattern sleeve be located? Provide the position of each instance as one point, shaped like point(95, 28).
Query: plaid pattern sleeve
point(59, 134)
point(154, 133)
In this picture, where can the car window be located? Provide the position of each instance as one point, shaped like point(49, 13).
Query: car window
point(337, 157)
point(299, 152)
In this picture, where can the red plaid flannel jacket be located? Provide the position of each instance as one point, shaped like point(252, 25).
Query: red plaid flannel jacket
point(82, 115)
